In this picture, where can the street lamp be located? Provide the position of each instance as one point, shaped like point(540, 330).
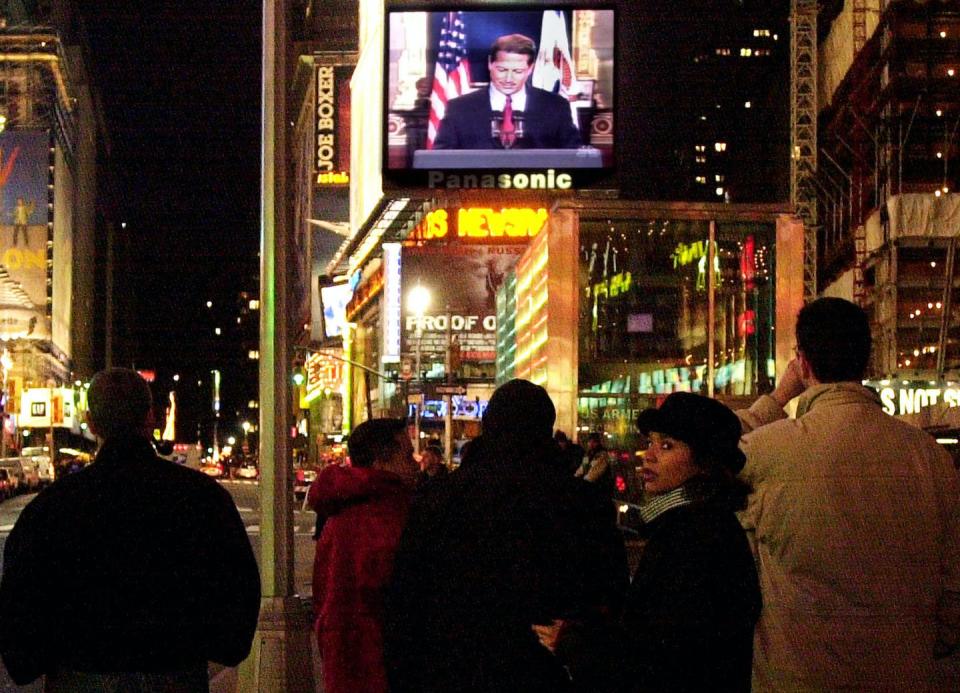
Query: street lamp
point(418, 300)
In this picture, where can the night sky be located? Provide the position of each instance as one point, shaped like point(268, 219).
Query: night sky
point(180, 87)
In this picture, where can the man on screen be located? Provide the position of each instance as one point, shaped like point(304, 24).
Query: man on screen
point(509, 114)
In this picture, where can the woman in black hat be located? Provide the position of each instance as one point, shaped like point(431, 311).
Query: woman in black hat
point(694, 598)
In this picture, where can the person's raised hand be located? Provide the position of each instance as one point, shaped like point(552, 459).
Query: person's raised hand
point(790, 384)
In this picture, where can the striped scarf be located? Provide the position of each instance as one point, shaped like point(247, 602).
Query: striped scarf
point(659, 504)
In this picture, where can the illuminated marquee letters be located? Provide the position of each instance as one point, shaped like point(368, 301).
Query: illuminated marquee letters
point(481, 222)
point(485, 224)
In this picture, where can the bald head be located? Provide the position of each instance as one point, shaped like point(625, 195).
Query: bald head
point(120, 403)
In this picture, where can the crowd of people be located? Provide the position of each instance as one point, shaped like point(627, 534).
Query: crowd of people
point(814, 552)
point(806, 553)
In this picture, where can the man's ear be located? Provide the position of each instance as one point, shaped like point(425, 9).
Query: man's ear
point(806, 372)
point(91, 425)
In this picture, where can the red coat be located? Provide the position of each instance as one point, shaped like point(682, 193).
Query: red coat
point(364, 511)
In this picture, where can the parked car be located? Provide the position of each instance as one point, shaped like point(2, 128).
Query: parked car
point(302, 479)
point(15, 473)
point(214, 469)
point(41, 456)
point(248, 471)
point(6, 485)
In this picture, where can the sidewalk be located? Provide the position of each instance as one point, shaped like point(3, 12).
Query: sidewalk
point(224, 679)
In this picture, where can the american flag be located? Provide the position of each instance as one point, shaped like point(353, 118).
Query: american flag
point(451, 77)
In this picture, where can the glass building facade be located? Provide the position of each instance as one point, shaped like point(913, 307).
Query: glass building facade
point(657, 305)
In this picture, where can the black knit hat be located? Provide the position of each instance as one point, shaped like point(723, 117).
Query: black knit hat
point(521, 409)
point(708, 427)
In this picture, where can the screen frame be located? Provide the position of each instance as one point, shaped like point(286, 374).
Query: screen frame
point(409, 178)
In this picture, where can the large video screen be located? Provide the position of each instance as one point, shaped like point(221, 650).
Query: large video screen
point(500, 98)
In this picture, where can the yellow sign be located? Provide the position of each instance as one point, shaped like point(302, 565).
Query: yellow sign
point(513, 222)
point(485, 224)
point(435, 225)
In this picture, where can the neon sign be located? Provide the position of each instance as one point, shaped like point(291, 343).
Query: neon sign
point(484, 224)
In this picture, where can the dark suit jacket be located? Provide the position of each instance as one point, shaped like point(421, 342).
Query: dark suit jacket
point(547, 123)
point(132, 564)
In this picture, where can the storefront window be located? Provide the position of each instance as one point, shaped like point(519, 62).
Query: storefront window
point(645, 290)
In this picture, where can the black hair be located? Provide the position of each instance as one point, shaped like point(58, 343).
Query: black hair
point(718, 483)
point(374, 440)
point(834, 336)
point(119, 401)
point(435, 449)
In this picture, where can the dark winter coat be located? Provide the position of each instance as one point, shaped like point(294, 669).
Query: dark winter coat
point(692, 605)
point(507, 541)
point(132, 564)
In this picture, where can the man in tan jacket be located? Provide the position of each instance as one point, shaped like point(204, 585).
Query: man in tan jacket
point(856, 522)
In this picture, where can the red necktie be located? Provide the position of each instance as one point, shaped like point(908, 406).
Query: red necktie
point(508, 131)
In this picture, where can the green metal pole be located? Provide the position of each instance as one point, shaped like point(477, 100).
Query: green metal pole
point(280, 660)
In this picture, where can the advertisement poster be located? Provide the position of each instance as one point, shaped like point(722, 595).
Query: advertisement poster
point(462, 281)
point(24, 176)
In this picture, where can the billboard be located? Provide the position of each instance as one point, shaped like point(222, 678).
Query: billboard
point(49, 407)
point(24, 215)
point(333, 124)
point(505, 99)
point(462, 282)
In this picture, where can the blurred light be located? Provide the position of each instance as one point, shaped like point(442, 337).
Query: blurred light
point(948, 441)
point(176, 377)
point(418, 299)
point(209, 304)
point(217, 330)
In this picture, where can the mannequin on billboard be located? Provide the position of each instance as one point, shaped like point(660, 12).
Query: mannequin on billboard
point(509, 114)
point(21, 218)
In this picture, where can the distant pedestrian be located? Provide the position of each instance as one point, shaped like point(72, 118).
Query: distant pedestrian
point(432, 467)
point(596, 467)
point(509, 541)
point(130, 574)
point(571, 453)
point(694, 598)
point(856, 517)
point(363, 508)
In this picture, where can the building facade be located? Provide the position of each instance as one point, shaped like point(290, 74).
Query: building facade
point(62, 249)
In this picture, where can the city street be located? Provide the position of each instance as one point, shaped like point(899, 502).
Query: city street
point(246, 495)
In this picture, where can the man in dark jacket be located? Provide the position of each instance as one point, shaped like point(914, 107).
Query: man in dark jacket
point(130, 574)
point(507, 542)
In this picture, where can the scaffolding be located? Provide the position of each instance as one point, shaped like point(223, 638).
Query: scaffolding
point(891, 135)
point(803, 132)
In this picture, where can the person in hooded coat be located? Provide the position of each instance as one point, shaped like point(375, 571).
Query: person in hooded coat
point(506, 542)
point(362, 509)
